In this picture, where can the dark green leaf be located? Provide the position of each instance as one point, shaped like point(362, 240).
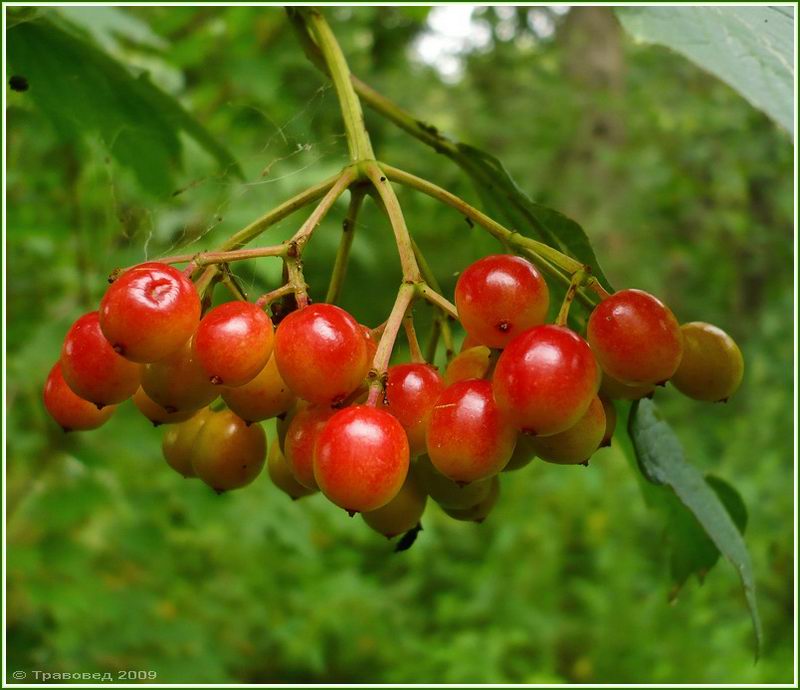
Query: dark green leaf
point(661, 460)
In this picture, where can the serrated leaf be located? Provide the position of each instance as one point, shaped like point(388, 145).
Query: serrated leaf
point(85, 92)
point(750, 48)
point(662, 462)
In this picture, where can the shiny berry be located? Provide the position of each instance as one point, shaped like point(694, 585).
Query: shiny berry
point(361, 458)
point(411, 392)
point(500, 296)
point(473, 363)
point(301, 441)
point(149, 312)
point(72, 413)
point(156, 413)
point(480, 511)
point(635, 338)
point(445, 491)
point(233, 343)
point(178, 442)
point(712, 366)
point(576, 444)
point(403, 512)
point(92, 369)
point(616, 390)
point(321, 353)
point(178, 382)
point(281, 475)
point(468, 437)
point(545, 379)
point(266, 396)
point(228, 454)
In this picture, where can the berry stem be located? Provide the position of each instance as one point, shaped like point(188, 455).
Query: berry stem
point(574, 284)
point(441, 326)
point(437, 300)
point(413, 344)
point(343, 252)
point(230, 282)
point(269, 297)
point(546, 267)
point(594, 285)
point(208, 258)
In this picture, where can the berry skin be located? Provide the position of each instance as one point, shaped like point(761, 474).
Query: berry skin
point(411, 392)
point(321, 353)
point(281, 475)
point(545, 379)
point(500, 296)
point(266, 396)
point(372, 343)
point(445, 491)
point(178, 382)
point(524, 453)
point(178, 442)
point(616, 390)
point(301, 440)
point(233, 343)
point(635, 338)
point(468, 438)
point(472, 363)
point(576, 444)
point(72, 413)
point(149, 312)
point(712, 366)
point(227, 453)
point(361, 459)
point(403, 512)
point(157, 414)
point(92, 369)
point(611, 421)
point(480, 511)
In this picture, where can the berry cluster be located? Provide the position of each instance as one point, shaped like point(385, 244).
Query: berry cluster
point(374, 442)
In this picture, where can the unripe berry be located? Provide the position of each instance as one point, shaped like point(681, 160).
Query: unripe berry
point(500, 296)
point(361, 458)
point(178, 382)
point(576, 444)
point(403, 512)
point(480, 511)
point(468, 438)
point(473, 363)
point(330, 338)
point(155, 413)
point(92, 369)
point(611, 421)
point(149, 312)
point(445, 491)
point(301, 441)
point(635, 337)
point(234, 342)
point(524, 453)
point(712, 366)
point(266, 396)
point(545, 379)
point(411, 392)
point(229, 454)
point(72, 413)
point(616, 390)
point(178, 442)
point(281, 475)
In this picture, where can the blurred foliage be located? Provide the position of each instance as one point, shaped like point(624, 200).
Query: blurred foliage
point(116, 563)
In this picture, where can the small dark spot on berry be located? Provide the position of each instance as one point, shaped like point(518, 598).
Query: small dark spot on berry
point(219, 492)
point(724, 400)
point(650, 395)
point(99, 406)
point(529, 432)
point(504, 326)
point(216, 380)
point(170, 409)
point(352, 513)
point(244, 467)
point(461, 484)
point(66, 429)
point(606, 444)
point(383, 179)
point(18, 83)
point(119, 349)
point(662, 384)
point(156, 423)
point(585, 463)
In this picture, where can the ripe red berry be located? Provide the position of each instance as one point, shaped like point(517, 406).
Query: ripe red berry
point(301, 441)
point(178, 442)
point(403, 512)
point(473, 363)
point(712, 366)
point(445, 491)
point(155, 413)
point(281, 475)
point(361, 459)
point(72, 413)
point(234, 342)
point(545, 380)
point(92, 369)
point(616, 390)
point(480, 511)
point(576, 444)
point(266, 396)
point(468, 438)
point(411, 392)
point(149, 312)
point(635, 338)
point(321, 353)
point(178, 382)
point(500, 296)
point(228, 454)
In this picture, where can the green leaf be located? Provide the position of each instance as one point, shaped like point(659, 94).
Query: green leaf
point(85, 92)
point(750, 48)
point(107, 24)
point(661, 461)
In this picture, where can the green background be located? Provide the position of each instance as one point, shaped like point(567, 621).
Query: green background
point(116, 563)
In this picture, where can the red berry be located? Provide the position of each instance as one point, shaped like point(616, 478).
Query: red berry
point(178, 442)
point(149, 312)
point(92, 369)
point(635, 337)
point(234, 342)
point(480, 511)
point(266, 396)
point(576, 444)
point(301, 439)
point(154, 412)
point(281, 475)
point(178, 382)
point(411, 392)
point(321, 353)
point(472, 363)
point(403, 512)
point(500, 296)
point(71, 412)
point(468, 438)
point(228, 454)
point(545, 380)
point(361, 458)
